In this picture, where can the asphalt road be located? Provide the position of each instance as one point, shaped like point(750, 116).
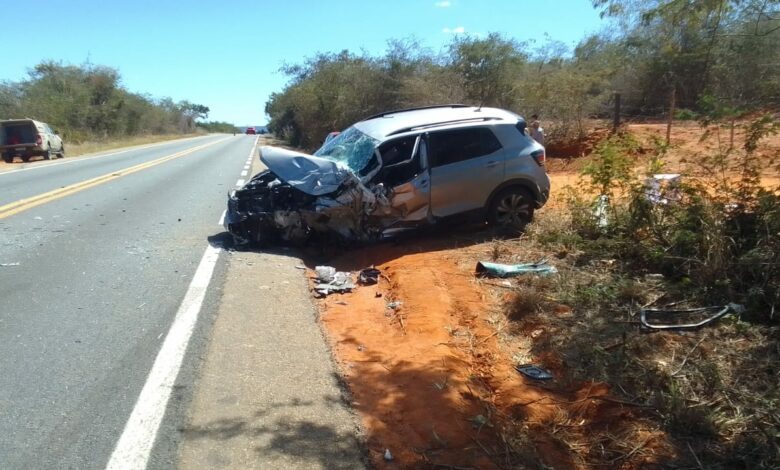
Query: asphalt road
point(96, 255)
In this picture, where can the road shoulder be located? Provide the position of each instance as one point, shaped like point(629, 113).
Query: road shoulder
point(268, 394)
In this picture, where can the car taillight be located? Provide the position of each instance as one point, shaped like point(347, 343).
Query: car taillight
point(38, 140)
point(539, 157)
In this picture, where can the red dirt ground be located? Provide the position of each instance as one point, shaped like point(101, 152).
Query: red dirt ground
point(432, 381)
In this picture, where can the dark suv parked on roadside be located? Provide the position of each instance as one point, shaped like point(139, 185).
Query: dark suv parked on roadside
point(27, 138)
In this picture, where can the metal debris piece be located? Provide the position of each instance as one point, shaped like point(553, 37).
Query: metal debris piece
point(718, 313)
point(369, 276)
point(505, 270)
point(394, 305)
point(534, 372)
point(388, 456)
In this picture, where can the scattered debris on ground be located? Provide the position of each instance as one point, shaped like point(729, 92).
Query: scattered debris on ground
point(329, 281)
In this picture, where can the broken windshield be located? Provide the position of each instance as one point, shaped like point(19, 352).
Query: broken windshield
point(351, 148)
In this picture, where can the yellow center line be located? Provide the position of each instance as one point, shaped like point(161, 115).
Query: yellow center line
point(28, 203)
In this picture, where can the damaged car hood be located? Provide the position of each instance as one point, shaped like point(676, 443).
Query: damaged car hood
point(309, 174)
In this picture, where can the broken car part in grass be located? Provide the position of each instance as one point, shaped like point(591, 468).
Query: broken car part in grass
point(540, 267)
point(687, 313)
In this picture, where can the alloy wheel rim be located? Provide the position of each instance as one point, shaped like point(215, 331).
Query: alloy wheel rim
point(513, 210)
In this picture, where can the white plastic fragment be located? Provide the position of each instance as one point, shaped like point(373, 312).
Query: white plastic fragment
point(325, 273)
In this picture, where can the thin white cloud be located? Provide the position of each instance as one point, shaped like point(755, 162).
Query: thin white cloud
point(455, 30)
point(443, 4)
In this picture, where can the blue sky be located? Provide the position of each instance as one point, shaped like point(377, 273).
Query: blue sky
point(226, 54)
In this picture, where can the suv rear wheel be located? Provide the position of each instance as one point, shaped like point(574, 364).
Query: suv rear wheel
point(47, 153)
point(512, 208)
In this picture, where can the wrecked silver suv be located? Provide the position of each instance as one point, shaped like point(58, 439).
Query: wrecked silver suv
point(393, 171)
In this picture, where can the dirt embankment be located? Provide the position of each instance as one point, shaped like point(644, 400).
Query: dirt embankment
point(434, 380)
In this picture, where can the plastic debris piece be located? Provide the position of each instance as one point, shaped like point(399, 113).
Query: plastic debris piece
point(388, 456)
point(534, 372)
point(331, 281)
point(663, 188)
point(369, 276)
point(601, 211)
point(506, 270)
point(719, 312)
point(394, 305)
point(325, 273)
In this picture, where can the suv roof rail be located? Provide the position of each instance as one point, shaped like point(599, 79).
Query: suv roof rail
point(442, 123)
point(454, 105)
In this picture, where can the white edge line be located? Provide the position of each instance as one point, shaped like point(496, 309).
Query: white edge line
point(77, 159)
point(222, 218)
point(240, 182)
point(134, 446)
point(243, 173)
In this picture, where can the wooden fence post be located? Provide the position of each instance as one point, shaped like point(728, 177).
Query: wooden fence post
point(616, 116)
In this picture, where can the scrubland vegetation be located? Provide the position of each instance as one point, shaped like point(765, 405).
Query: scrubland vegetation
point(87, 103)
point(719, 58)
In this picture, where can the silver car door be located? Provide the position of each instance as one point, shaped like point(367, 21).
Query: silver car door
point(411, 199)
point(466, 165)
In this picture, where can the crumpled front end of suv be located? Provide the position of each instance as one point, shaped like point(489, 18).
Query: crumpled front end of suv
point(305, 197)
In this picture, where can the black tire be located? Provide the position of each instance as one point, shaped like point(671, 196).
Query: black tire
point(61, 153)
point(47, 154)
point(8, 158)
point(26, 158)
point(512, 208)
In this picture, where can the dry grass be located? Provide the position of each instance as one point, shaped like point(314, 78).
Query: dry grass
point(90, 147)
point(709, 396)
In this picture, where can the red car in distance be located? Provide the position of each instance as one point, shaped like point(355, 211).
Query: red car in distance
point(251, 130)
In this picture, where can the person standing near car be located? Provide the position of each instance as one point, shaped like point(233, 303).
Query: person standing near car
point(537, 132)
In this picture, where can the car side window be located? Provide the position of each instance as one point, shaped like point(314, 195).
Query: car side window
point(400, 164)
point(454, 146)
point(397, 151)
